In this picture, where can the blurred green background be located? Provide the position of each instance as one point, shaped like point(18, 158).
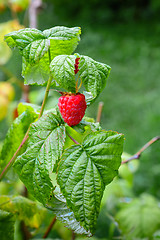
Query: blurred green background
point(126, 36)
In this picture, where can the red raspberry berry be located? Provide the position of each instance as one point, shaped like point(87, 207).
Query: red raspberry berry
point(72, 107)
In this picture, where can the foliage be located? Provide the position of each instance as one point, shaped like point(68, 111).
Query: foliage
point(78, 161)
point(98, 155)
point(139, 218)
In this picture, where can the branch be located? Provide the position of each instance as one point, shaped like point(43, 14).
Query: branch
point(5, 170)
point(33, 9)
point(138, 154)
point(49, 228)
point(73, 236)
point(99, 113)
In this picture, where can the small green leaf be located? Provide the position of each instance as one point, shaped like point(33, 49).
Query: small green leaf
point(96, 161)
point(6, 225)
point(30, 212)
point(23, 106)
point(93, 74)
point(140, 218)
point(45, 146)
point(59, 207)
point(62, 68)
point(15, 136)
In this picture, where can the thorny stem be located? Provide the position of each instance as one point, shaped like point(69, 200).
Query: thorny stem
point(47, 89)
point(14, 156)
point(73, 236)
point(138, 154)
point(26, 135)
point(49, 228)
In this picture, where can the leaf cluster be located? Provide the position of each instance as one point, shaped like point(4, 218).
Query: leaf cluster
point(64, 168)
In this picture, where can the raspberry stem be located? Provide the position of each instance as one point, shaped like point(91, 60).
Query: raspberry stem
point(47, 88)
point(72, 138)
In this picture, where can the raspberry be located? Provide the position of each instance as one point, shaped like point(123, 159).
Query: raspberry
point(72, 107)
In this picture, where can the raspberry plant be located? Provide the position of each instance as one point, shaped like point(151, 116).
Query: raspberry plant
point(66, 168)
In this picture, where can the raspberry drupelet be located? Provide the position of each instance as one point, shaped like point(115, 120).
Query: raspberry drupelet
point(72, 107)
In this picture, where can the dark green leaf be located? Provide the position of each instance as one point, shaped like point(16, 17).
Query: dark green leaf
point(58, 205)
point(139, 218)
point(6, 226)
point(62, 68)
point(85, 170)
point(30, 212)
point(45, 145)
point(93, 74)
point(15, 135)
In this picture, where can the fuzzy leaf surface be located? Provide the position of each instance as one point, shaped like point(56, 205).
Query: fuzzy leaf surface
point(84, 171)
point(6, 225)
point(15, 135)
point(45, 145)
point(62, 68)
point(29, 211)
point(59, 207)
point(93, 74)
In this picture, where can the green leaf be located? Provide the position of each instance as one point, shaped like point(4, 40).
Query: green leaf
point(62, 68)
point(6, 225)
point(23, 39)
point(34, 45)
point(45, 145)
point(23, 106)
point(63, 40)
point(59, 207)
point(37, 74)
point(139, 218)
point(15, 136)
point(93, 74)
point(96, 161)
point(30, 212)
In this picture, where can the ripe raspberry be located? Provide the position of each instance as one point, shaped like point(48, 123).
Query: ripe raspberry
point(72, 107)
